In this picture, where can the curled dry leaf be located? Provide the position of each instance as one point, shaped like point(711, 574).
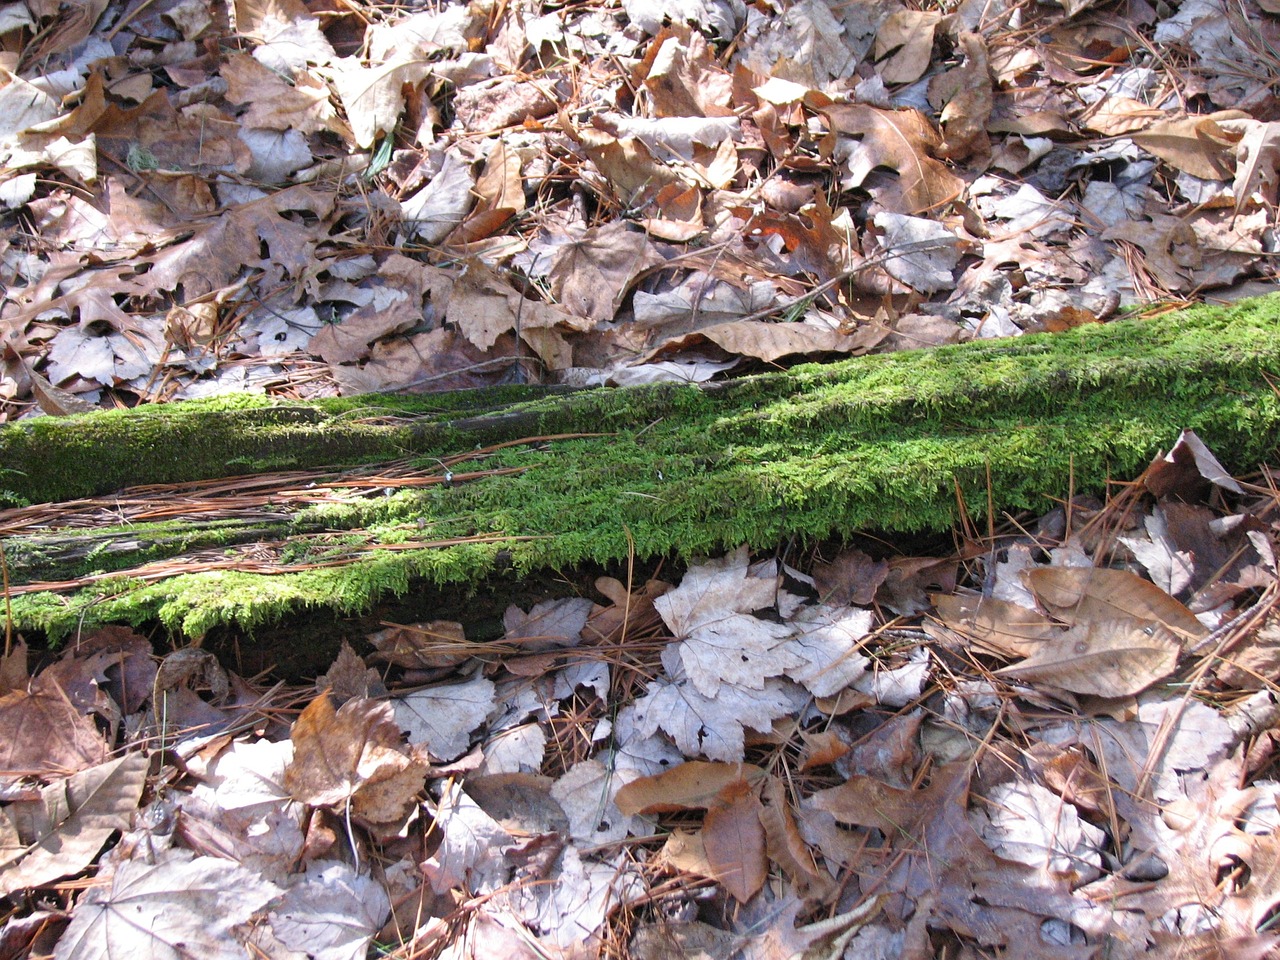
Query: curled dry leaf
point(1092, 594)
point(1105, 658)
point(338, 754)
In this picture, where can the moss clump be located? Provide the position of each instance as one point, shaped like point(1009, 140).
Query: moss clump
point(879, 443)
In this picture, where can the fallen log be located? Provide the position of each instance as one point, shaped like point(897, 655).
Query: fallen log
point(236, 511)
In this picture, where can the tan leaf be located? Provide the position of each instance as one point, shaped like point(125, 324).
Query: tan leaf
point(348, 677)
point(1118, 116)
point(373, 96)
point(1104, 658)
point(501, 186)
point(906, 39)
point(965, 95)
point(994, 626)
point(694, 784)
point(1069, 772)
point(13, 668)
point(901, 140)
point(72, 820)
point(1196, 145)
point(437, 643)
point(336, 752)
point(394, 305)
point(1086, 594)
point(302, 103)
point(590, 274)
point(484, 305)
point(821, 747)
point(683, 79)
point(626, 163)
point(685, 851)
point(851, 578)
point(771, 341)
point(174, 906)
point(1184, 468)
point(1258, 157)
point(734, 841)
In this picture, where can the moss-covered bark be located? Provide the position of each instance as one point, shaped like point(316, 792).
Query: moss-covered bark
point(879, 443)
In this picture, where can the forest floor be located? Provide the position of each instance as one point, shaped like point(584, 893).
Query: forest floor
point(1054, 734)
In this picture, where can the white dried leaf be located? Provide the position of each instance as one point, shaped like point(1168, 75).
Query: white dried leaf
point(443, 717)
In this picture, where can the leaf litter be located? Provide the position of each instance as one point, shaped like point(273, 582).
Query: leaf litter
point(750, 763)
point(307, 201)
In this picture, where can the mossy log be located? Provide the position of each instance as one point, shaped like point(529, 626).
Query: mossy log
point(358, 497)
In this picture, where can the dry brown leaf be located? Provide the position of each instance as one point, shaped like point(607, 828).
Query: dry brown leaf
point(437, 643)
point(821, 747)
point(484, 306)
point(349, 677)
point(302, 103)
point(1068, 771)
point(1091, 594)
point(1118, 116)
point(786, 847)
point(43, 734)
point(696, 784)
point(964, 93)
point(13, 668)
point(851, 578)
point(682, 77)
point(500, 186)
point(684, 851)
point(904, 45)
point(590, 274)
point(903, 141)
point(64, 830)
point(394, 304)
point(337, 753)
point(1257, 159)
point(772, 341)
point(1103, 658)
point(734, 841)
point(626, 163)
point(994, 626)
point(1186, 471)
point(1197, 144)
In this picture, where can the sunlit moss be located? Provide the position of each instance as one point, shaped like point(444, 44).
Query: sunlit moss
point(883, 443)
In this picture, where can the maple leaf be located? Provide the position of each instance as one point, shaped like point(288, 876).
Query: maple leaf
point(722, 642)
point(76, 817)
point(329, 913)
point(443, 717)
point(827, 640)
point(709, 726)
point(42, 733)
point(182, 906)
point(473, 846)
point(590, 273)
point(901, 140)
point(355, 755)
point(946, 868)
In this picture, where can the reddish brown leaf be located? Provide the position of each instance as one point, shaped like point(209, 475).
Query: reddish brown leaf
point(691, 785)
point(734, 840)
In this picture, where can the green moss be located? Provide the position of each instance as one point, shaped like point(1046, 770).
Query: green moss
point(875, 443)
